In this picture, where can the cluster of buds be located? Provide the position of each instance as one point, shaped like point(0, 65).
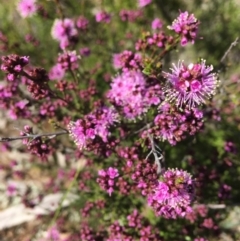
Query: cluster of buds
point(106, 179)
point(13, 65)
point(173, 195)
point(150, 41)
point(35, 145)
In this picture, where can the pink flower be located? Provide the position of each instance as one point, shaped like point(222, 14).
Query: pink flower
point(130, 15)
point(85, 51)
point(191, 85)
point(157, 23)
point(82, 23)
point(186, 25)
point(27, 8)
point(68, 60)
point(11, 190)
point(173, 195)
point(53, 234)
point(63, 31)
point(112, 172)
point(143, 3)
point(103, 17)
point(129, 91)
point(106, 179)
point(19, 109)
point(127, 60)
point(56, 72)
point(97, 123)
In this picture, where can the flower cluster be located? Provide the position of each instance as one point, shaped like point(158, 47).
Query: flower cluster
point(143, 230)
point(19, 110)
point(82, 23)
point(56, 72)
point(151, 41)
point(186, 25)
point(36, 146)
point(157, 24)
point(106, 179)
point(37, 83)
point(127, 60)
point(6, 93)
point(130, 15)
point(103, 17)
point(143, 3)
point(68, 60)
point(174, 125)
point(93, 125)
point(13, 65)
point(27, 8)
point(173, 195)
point(64, 31)
point(145, 176)
point(129, 91)
point(191, 85)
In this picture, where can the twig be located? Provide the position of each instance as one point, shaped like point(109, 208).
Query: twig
point(233, 44)
point(34, 136)
point(143, 128)
point(212, 206)
point(157, 153)
point(216, 206)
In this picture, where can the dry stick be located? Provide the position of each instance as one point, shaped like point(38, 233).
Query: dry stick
point(34, 136)
point(212, 205)
point(157, 159)
point(233, 44)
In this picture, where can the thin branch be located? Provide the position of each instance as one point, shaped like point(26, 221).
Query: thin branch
point(212, 205)
point(34, 136)
point(157, 153)
point(143, 128)
point(233, 44)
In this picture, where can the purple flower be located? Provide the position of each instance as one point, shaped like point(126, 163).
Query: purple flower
point(56, 72)
point(82, 23)
point(127, 91)
point(143, 3)
point(127, 60)
point(191, 85)
point(13, 64)
point(157, 23)
point(186, 25)
point(11, 190)
point(63, 31)
point(97, 123)
point(230, 147)
point(130, 15)
point(106, 179)
point(53, 234)
point(85, 51)
point(68, 60)
point(172, 196)
point(26, 8)
point(174, 125)
point(19, 109)
point(112, 172)
point(103, 17)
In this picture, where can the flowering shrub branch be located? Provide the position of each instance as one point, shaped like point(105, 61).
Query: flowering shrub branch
point(34, 136)
point(107, 87)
